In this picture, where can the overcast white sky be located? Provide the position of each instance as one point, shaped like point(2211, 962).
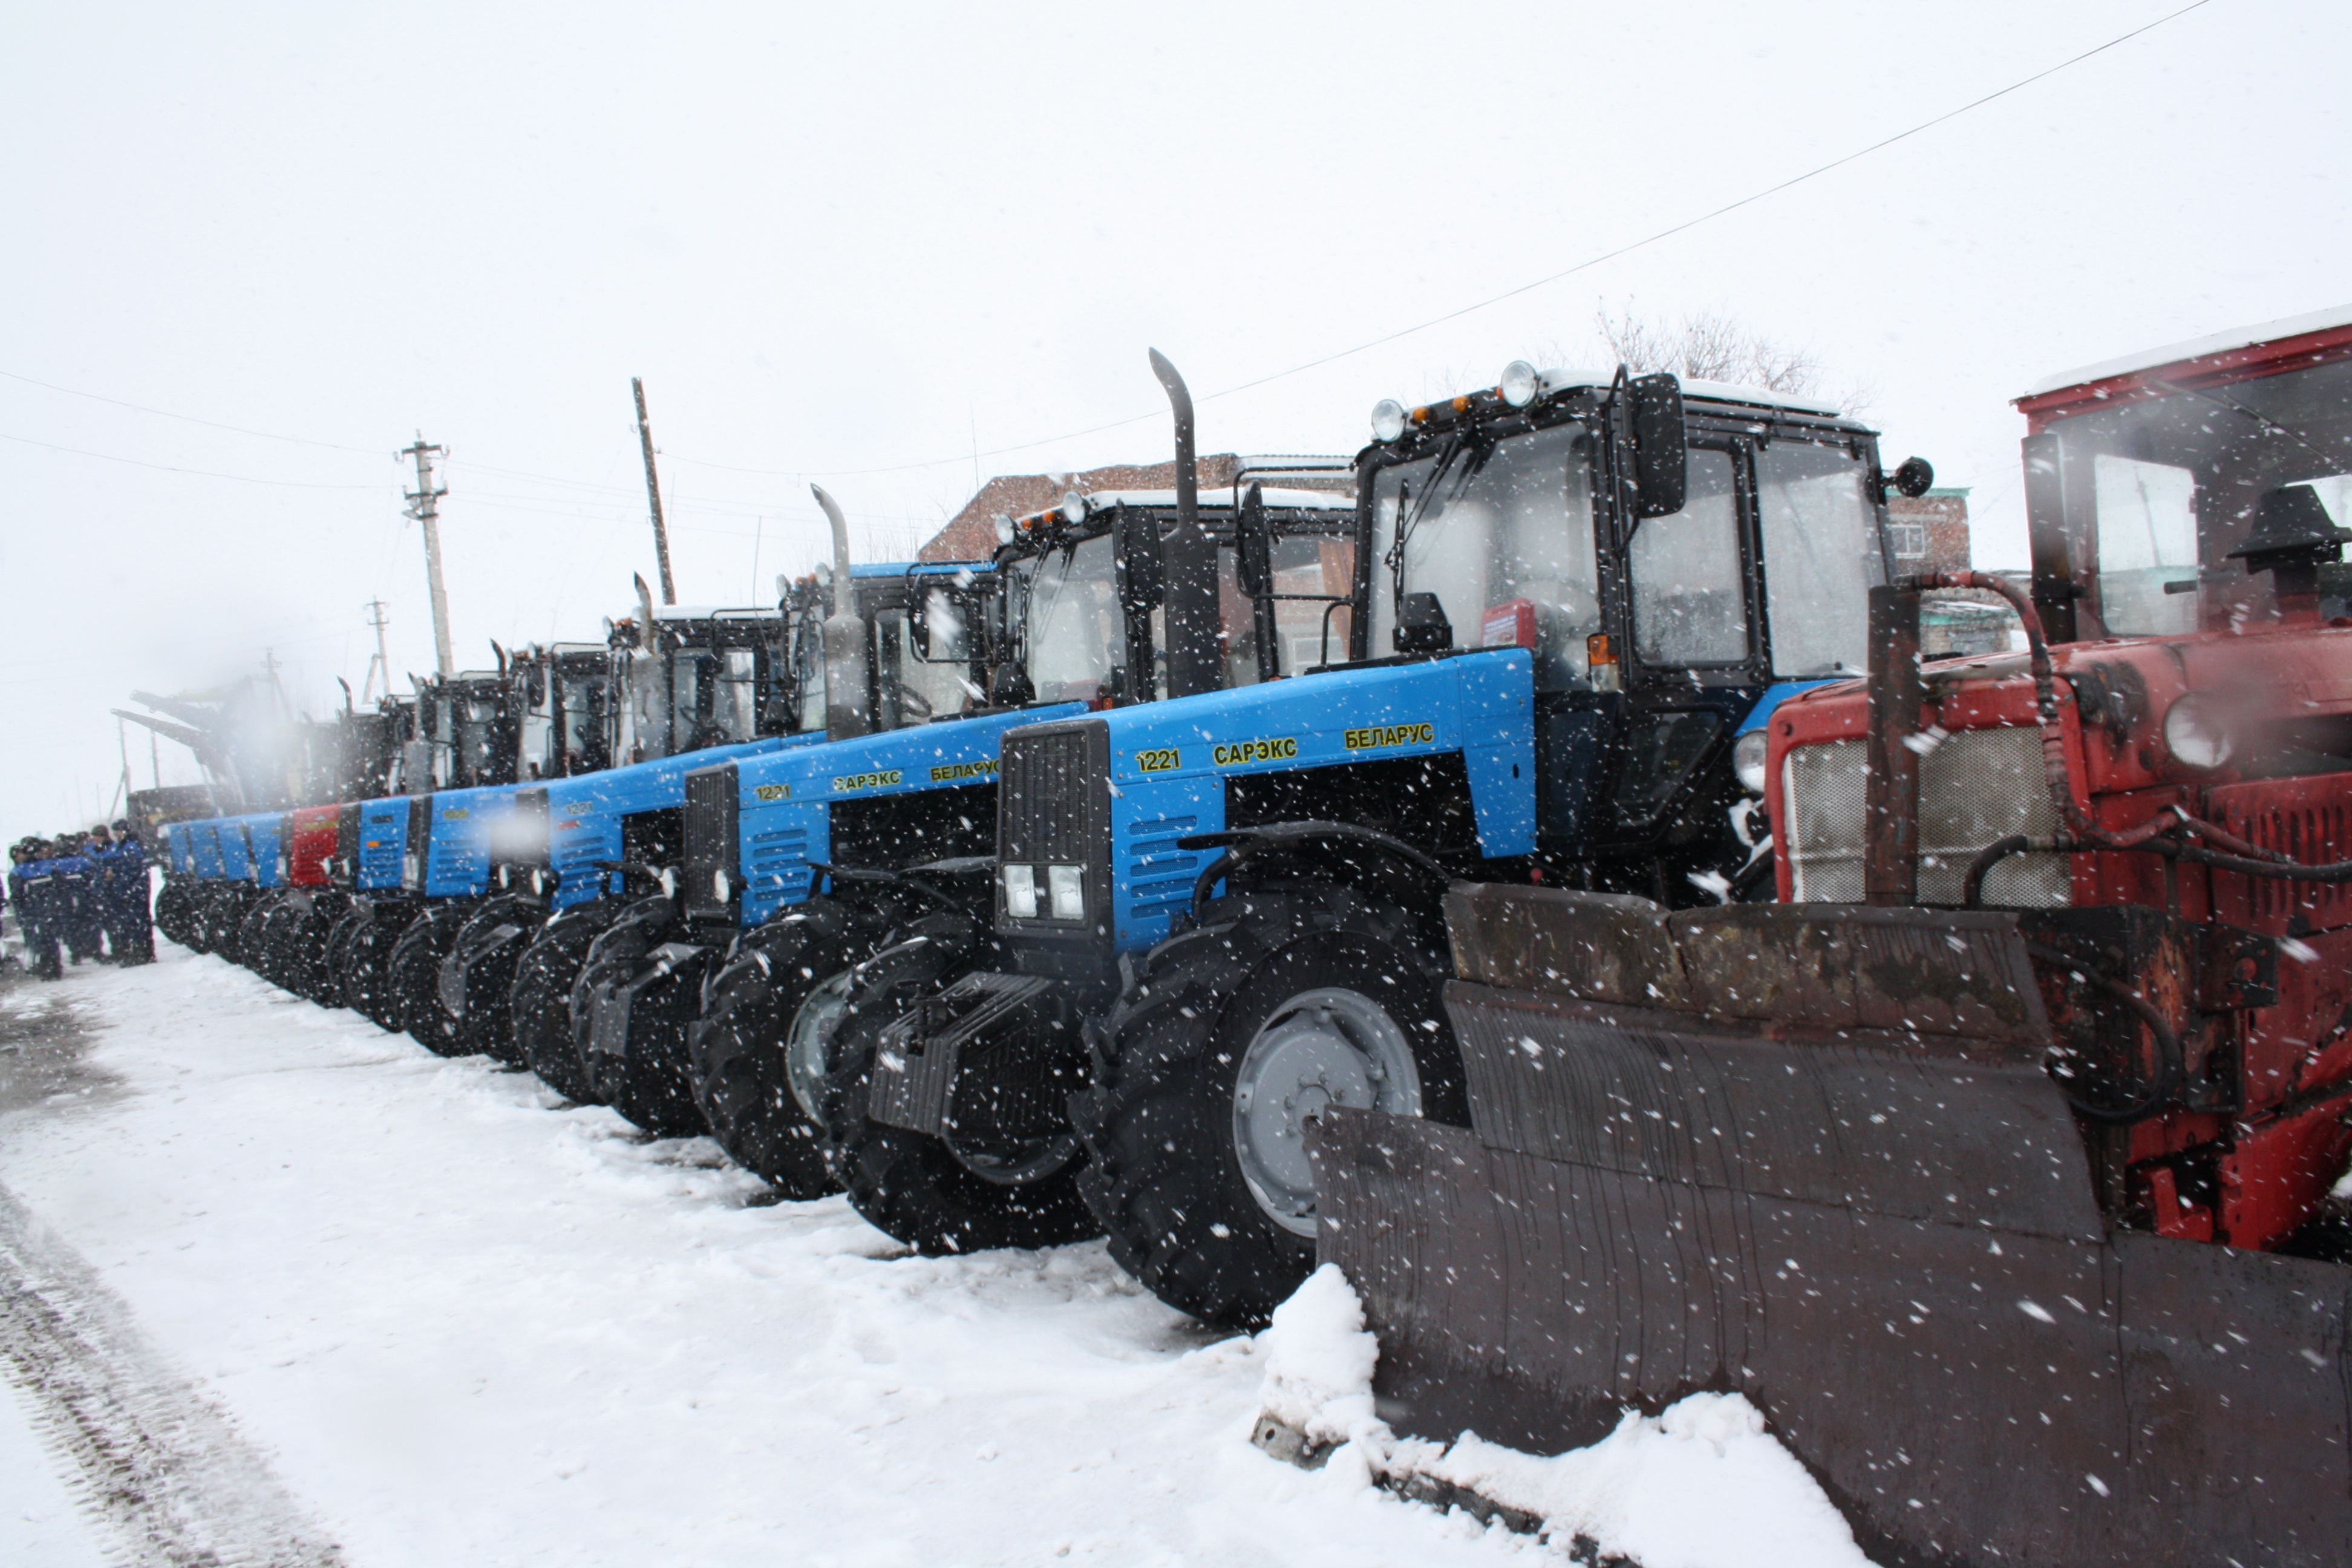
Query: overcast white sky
point(859, 244)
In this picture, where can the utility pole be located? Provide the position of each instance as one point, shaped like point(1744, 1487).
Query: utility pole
point(653, 493)
point(423, 507)
point(381, 661)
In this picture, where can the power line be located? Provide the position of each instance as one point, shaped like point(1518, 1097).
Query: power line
point(1584, 265)
point(171, 469)
point(167, 414)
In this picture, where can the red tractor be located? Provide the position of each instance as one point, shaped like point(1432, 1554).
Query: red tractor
point(1996, 1162)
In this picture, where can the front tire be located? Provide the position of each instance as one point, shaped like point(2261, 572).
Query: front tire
point(412, 977)
point(541, 1005)
point(911, 1185)
point(646, 1080)
point(758, 1048)
point(1233, 1034)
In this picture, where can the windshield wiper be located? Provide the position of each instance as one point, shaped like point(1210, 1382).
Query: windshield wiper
point(1410, 513)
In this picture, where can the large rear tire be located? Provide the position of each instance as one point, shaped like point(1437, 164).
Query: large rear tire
point(413, 976)
point(759, 1047)
point(911, 1185)
point(541, 1005)
point(1234, 1034)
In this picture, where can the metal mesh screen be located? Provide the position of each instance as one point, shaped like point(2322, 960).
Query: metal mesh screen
point(1979, 785)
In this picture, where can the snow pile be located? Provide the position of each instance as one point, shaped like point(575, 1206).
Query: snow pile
point(1318, 1362)
point(1700, 1485)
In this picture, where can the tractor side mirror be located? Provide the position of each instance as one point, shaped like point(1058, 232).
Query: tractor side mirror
point(1913, 478)
point(1254, 546)
point(1661, 444)
point(1422, 626)
point(1142, 572)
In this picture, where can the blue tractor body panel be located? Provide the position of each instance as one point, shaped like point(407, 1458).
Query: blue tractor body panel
point(457, 853)
point(584, 812)
point(1773, 696)
point(1170, 761)
point(236, 849)
point(786, 798)
point(383, 840)
point(263, 835)
point(203, 850)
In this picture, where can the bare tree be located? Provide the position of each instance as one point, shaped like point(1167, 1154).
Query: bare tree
point(1709, 345)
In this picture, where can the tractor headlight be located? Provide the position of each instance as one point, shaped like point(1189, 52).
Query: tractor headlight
point(1520, 383)
point(1021, 892)
point(2197, 734)
point(1074, 509)
point(1388, 419)
point(1748, 760)
point(1004, 529)
point(722, 886)
point(538, 882)
point(1068, 887)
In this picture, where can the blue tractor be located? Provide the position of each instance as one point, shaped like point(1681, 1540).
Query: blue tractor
point(598, 848)
point(1576, 600)
point(1108, 602)
point(893, 654)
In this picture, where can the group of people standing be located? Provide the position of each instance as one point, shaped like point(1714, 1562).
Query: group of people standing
point(84, 896)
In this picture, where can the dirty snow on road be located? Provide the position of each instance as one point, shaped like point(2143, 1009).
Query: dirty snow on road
point(333, 1298)
point(465, 1325)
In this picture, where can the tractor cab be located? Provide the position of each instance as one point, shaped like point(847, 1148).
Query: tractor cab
point(1673, 557)
point(570, 717)
point(469, 729)
point(1081, 618)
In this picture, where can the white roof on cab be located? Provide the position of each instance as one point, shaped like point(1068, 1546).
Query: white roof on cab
point(2196, 348)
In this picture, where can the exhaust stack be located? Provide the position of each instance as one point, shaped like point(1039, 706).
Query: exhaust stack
point(1195, 661)
point(849, 682)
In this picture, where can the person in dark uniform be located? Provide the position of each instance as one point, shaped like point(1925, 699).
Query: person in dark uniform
point(131, 926)
point(39, 896)
point(77, 925)
point(13, 896)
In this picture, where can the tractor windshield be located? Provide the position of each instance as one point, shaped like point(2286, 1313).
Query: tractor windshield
point(1076, 641)
point(1493, 528)
point(2152, 494)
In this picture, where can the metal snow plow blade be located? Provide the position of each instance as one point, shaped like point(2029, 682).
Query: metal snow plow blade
point(1810, 1153)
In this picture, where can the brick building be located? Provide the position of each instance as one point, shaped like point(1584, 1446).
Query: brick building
point(1929, 533)
point(970, 534)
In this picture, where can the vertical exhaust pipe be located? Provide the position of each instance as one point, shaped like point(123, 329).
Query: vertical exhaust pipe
point(1890, 849)
point(848, 677)
point(1195, 659)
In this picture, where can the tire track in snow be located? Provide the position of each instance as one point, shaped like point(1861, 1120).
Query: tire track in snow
point(157, 1460)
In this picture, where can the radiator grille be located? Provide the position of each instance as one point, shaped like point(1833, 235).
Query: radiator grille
point(1045, 789)
point(1977, 786)
point(711, 848)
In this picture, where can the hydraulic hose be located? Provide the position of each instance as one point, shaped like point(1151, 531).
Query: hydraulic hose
point(2171, 1065)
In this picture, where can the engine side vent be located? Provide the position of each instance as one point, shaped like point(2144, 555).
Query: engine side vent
point(714, 881)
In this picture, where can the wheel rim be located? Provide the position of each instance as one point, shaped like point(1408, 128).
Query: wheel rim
point(805, 1042)
point(1321, 1048)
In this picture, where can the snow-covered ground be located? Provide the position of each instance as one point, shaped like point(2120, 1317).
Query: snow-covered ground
point(462, 1325)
